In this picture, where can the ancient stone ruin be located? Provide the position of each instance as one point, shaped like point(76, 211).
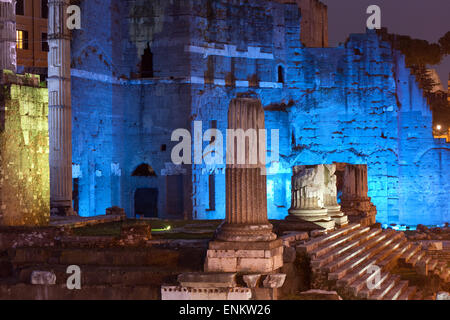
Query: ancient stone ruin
point(245, 241)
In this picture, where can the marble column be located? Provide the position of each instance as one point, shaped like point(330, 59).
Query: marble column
point(245, 241)
point(60, 109)
point(8, 56)
point(246, 194)
point(330, 196)
point(355, 200)
point(307, 202)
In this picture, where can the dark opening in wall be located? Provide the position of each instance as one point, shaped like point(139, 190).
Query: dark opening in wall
point(144, 170)
point(174, 196)
point(212, 192)
point(45, 47)
point(213, 126)
point(146, 202)
point(44, 9)
point(280, 74)
point(76, 194)
point(147, 63)
point(163, 147)
point(20, 7)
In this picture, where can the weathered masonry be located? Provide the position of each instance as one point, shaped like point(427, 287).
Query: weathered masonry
point(151, 67)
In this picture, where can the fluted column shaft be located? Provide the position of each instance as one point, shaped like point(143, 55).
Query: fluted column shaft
point(60, 110)
point(355, 186)
point(246, 188)
point(8, 55)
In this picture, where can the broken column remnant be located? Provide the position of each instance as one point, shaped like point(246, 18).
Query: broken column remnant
point(245, 241)
point(307, 204)
point(330, 196)
point(8, 56)
point(355, 202)
point(60, 110)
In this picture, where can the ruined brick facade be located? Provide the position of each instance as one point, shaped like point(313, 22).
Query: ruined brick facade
point(356, 104)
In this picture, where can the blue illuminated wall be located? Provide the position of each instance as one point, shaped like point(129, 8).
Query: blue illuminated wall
point(356, 103)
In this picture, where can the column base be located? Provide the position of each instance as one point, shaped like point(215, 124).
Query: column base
point(245, 232)
point(355, 206)
point(335, 213)
point(360, 210)
point(247, 257)
point(318, 217)
point(63, 212)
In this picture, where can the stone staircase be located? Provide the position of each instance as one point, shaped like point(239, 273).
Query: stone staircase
point(346, 260)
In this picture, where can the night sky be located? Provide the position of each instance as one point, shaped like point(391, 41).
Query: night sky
point(422, 19)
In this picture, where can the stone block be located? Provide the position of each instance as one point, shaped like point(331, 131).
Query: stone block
point(265, 293)
point(221, 264)
point(273, 252)
point(319, 295)
point(183, 293)
point(255, 264)
point(274, 280)
point(257, 245)
point(252, 280)
point(289, 254)
point(442, 296)
point(277, 262)
point(236, 253)
point(207, 280)
point(435, 246)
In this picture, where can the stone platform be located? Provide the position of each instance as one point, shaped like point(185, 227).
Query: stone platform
point(261, 257)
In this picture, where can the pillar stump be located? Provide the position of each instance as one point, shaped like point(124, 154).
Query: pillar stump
point(330, 196)
point(245, 241)
point(355, 202)
point(307, 210)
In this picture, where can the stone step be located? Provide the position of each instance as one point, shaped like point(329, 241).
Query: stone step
point(441, 267)
point(368, 239)
point(377, 251)
point(408, 294)
point(365, 292)
point(93, 275)
point(432, 265)
point(23, 291)
point(139, 257)
point(409, 253)
point(396, 292)
point(445, 275)
point(416, 258)
point(391, 261)
point(418, 296)
point(333, 265)
point(316, 242)
point(422, 265)
point(362, 270)
point(320, 251)
point(331, 256)
point(386, 287)
point(362, 281)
